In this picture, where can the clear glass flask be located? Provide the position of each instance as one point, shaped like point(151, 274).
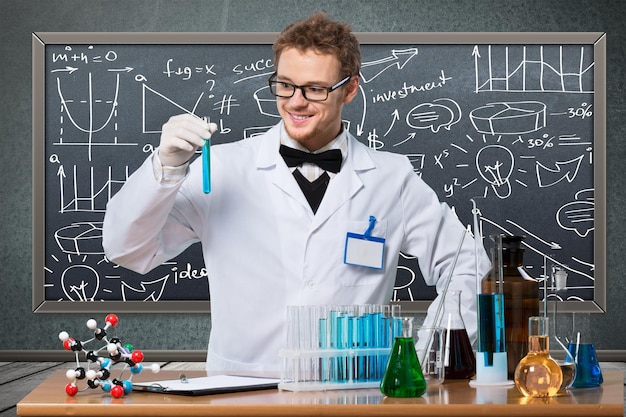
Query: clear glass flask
point(403, 376)
point(537, 374)
point(459, 359)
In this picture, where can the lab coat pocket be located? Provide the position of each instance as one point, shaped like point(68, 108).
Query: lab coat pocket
point(358, 275)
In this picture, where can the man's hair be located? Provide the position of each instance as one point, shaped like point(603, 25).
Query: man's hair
point(324, 35)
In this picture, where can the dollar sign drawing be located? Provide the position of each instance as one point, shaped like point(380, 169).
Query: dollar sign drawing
point(373, 142)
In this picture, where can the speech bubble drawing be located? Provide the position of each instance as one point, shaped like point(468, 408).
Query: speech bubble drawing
point(434, 115)
point(578, 215)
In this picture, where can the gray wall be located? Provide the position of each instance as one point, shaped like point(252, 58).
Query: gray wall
point(20, 328)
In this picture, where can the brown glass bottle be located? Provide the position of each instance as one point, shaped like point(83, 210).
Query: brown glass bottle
point(521, 299)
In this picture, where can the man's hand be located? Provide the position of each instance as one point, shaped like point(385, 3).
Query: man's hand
point(181, 136)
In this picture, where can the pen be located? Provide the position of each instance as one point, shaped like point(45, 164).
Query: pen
point(206, 163)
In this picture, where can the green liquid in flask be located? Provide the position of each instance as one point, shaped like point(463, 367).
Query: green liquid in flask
point(403, 377)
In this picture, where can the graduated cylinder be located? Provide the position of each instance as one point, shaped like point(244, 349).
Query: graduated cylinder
point(521, 298)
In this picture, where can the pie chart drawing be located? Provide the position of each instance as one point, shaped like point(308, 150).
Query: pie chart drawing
point(511, 118)
point(80, 238)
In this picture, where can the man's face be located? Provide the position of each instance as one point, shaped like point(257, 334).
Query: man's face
point(312, 124)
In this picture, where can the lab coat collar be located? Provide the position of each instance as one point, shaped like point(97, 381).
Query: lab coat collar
point(268, 156)
point(340, 189)
point(346, 183)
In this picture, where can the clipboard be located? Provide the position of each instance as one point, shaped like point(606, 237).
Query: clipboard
point(217, 384)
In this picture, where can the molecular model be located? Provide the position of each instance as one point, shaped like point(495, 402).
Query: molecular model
point(117, 354)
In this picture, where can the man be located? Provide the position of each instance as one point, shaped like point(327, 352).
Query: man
point(274, 229)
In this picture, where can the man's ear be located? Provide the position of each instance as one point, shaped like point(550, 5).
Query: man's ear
point(352, 88)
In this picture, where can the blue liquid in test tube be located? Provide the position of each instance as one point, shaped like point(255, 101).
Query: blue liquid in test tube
point(342, 329)
point(334, 361)
point(384, 343)
point(368, 333)
point(376, 343)
point(361, 327)
point(206, 163)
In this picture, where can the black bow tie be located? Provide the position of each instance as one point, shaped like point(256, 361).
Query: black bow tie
point(328, 160)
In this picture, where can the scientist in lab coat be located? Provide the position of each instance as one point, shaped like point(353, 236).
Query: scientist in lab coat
point(277, 229)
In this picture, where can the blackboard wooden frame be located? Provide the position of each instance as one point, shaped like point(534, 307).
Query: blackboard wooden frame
point(40, 40)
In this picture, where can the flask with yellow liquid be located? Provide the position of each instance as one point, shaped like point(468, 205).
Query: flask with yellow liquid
point(537, 374)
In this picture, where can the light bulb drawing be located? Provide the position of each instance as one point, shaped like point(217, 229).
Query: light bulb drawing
point(495, 165)
point(80, 283)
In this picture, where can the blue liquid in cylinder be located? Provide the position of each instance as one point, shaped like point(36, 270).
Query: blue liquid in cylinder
point(403, 377)
point(491, 336)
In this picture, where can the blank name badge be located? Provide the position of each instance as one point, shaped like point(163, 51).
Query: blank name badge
point(365, 250)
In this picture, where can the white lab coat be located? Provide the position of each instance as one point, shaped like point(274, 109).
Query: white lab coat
point(265, 249)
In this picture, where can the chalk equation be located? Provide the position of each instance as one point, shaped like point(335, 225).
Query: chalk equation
point(511, 126)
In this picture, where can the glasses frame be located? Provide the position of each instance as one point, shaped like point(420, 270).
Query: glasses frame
point(272, 81)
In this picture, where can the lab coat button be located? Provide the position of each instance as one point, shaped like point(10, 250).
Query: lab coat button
point(310, 284)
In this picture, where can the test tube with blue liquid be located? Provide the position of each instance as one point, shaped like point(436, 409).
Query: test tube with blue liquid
point(323, 343)
point(377, 316)
point(384, 339)
point(206, 162)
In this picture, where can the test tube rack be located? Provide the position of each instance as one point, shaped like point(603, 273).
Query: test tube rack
point(337, 347)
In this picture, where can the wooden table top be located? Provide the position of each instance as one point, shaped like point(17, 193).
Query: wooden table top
point(453, 398)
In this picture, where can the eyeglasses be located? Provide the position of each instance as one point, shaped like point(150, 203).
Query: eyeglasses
point(309, 92)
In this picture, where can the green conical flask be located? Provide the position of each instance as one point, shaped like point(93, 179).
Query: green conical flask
point(403, 377)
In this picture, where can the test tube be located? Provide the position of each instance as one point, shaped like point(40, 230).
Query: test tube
point(334, 340)
point(206, 162)
point(376, 315)
point(293, 341)
point(384, 341)
point(366, 329)
point(292, 329)
point(321, 340)
point(302, 341)
point(354, 341)
point(351, 342)
point(342, 342)
point(396, 322)
point(362, 320)
point(313, 341)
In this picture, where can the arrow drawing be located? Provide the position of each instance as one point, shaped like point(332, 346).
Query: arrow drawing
point(126, 69)
point(551, 245)
point(399, 58)
point(547, 177)
point(152, 290)
point(534, 249)
point(67, 69)
point(396, 117)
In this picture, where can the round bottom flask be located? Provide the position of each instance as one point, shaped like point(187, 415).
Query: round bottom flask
point(537, 374)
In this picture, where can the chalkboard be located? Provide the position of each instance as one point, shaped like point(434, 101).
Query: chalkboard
point(514, 121)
